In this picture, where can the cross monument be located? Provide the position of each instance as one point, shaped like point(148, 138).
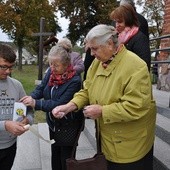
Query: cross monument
point(40, 56)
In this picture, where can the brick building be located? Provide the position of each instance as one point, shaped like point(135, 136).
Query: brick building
point(164, 69)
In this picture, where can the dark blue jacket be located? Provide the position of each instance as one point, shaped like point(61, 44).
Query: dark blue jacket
point(47, 98)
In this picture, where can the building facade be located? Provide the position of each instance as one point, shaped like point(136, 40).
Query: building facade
point(164, 69)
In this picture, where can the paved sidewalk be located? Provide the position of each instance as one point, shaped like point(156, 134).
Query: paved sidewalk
point(35, 154)
point(162, 97)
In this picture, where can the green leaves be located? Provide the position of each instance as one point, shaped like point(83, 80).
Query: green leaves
point(84, 15)
point(21, 17)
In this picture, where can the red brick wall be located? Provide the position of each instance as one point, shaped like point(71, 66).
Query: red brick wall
point(166, 30)
point(163, 82)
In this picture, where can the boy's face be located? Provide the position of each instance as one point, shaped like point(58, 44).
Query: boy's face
point(5, 68)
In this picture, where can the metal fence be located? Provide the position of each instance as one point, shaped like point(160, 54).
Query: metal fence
point(162, 49)
point(154, 64)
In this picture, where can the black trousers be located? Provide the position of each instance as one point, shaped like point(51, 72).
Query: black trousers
point(59, 154)
point(145, 163)
point(7, 157)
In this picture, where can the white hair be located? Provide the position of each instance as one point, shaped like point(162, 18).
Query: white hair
point(58, 52)
point(65, 43)
point(124, 2)
point(101, 33)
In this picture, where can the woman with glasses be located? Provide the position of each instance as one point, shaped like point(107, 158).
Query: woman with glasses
point(118, 93)
point(57, 88)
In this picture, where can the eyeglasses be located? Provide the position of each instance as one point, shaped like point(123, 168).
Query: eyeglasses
point(6, 67)
point(54, 65)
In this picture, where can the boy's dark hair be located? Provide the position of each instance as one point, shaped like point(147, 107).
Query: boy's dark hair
point(7, 53)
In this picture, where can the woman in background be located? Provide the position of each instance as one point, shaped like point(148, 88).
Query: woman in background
point(127, 26)
point(76, 59)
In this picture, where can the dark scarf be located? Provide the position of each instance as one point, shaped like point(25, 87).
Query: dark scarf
point(106, 63)
point(58, 79)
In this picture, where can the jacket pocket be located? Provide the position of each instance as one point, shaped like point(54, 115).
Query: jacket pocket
point(129, 145)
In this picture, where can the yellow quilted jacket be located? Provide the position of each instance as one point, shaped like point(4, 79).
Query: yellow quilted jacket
point(128, 117)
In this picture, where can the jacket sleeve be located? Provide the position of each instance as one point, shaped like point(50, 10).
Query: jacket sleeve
point(38, 92)
point(64, 97)
point(78, 63)
point(30, 115)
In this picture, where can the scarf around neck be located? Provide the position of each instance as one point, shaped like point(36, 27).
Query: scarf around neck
point(127, 34)
point(59, 79)
point(106, 63)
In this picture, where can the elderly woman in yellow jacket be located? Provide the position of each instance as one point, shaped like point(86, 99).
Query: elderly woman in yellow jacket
point(117, 92)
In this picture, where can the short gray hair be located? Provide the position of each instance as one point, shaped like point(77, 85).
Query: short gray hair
point(124, 2)
point(65, 43)
point(102, 33)
point(58, 52)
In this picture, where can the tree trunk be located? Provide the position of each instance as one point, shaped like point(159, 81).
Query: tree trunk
point(19, 58)
point(20, 44)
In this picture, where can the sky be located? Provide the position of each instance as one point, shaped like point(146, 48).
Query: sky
point(3, 36)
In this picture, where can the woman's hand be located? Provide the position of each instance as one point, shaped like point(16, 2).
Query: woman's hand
point(28, 101)
point(92, 111)
point(60, 111)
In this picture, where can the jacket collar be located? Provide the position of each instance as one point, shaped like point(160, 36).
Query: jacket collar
point(107, 71)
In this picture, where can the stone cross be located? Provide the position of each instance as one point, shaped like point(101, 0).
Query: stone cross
point(40, 56)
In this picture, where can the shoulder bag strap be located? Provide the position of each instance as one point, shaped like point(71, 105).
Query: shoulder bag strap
point(97, 135)
point(77, 138)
